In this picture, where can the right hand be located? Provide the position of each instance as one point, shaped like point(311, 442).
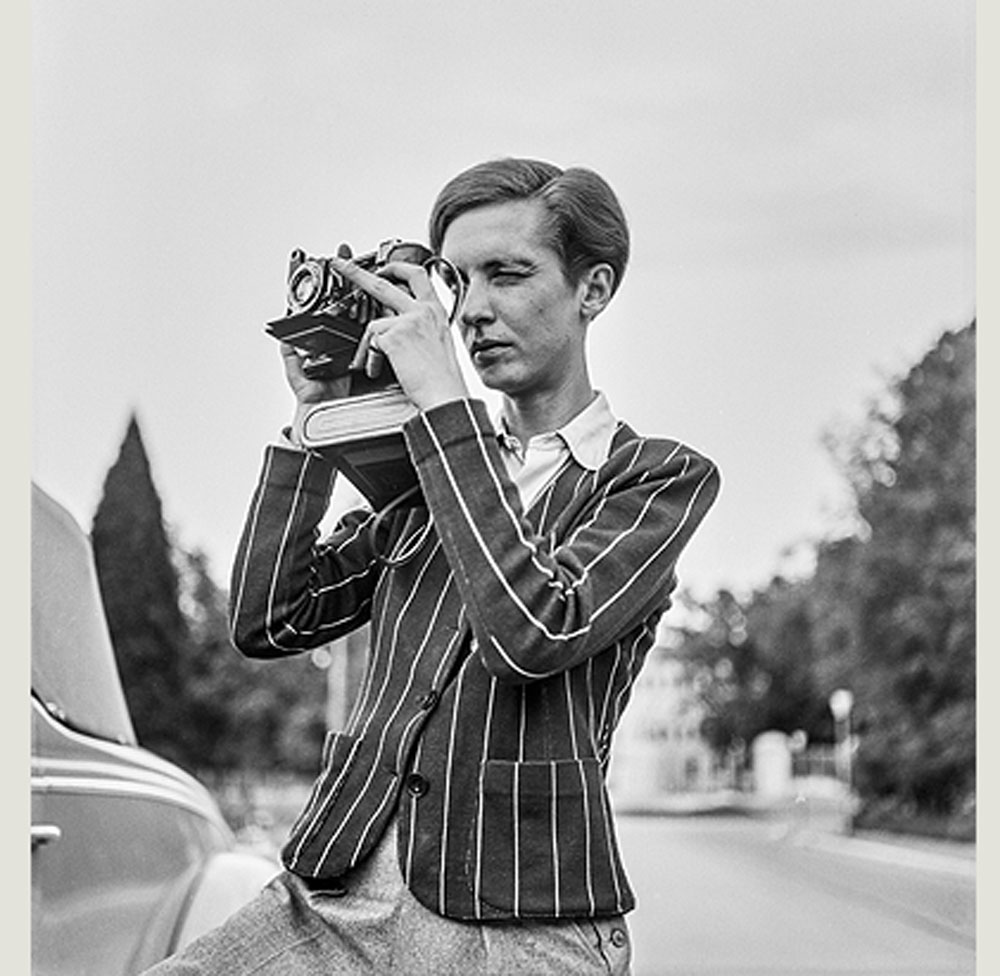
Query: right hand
point(309, 391)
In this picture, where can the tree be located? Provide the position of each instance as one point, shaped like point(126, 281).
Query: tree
point(832, 594)
point(752, 663)
point(723, 669)
point(888, 612)
point(138, 584)
point(193, 698)
point(244, 715)
point(912, 469)
point(781, 622)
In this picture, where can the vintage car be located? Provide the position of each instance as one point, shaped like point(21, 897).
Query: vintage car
point(130, 856)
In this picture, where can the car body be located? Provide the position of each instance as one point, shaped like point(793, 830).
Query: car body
point(131, 857)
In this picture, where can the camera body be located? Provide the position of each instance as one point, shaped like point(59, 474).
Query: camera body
point(326, 314)
point(359, 422)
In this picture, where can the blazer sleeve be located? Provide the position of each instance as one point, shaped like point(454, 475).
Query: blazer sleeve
point(538, 606)
point(288, 591)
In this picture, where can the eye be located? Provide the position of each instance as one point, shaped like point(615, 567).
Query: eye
point(509, 275)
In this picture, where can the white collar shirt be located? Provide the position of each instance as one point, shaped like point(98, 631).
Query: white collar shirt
point(587, 438)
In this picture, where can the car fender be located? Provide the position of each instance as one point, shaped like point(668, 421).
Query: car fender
point(229, 881)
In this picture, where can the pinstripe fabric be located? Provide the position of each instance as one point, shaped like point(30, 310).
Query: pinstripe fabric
point(503, 654)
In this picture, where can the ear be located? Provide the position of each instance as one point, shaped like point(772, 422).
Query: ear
point(596, 286)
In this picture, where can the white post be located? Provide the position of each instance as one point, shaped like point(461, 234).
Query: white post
point(841, 703)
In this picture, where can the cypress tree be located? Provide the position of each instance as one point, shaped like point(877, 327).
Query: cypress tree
point(193, 698)
point(139, 585)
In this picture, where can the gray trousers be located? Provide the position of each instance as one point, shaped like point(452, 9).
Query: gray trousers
point(373, 925)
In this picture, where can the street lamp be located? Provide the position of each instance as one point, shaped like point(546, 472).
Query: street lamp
point(841, 703)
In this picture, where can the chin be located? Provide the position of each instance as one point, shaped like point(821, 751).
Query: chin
point(493, 377)
point(500, 384)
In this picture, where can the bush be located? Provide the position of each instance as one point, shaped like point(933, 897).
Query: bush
point(894, 817)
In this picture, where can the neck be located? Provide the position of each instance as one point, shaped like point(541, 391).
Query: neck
point(545, 412)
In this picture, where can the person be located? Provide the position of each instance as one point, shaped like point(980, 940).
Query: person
point(460, 822)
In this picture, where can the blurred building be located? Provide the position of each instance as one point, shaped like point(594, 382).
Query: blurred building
point(658, 748)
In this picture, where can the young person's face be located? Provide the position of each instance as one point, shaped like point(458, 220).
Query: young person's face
point(521, 320)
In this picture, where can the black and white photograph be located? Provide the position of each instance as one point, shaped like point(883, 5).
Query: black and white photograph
point(503, 488)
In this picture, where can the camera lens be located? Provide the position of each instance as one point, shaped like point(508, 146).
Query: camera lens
point(305, 286)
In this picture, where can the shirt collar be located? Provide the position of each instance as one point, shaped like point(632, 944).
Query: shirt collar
point(588, 435)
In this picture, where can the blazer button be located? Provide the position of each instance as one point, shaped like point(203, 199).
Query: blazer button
point(417, 785)
point(618, 938)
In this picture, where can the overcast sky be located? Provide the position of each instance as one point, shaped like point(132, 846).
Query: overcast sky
point(799, 178)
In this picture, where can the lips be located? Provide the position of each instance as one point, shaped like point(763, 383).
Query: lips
point(487, 347)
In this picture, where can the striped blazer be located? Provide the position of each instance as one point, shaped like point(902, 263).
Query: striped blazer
point(503, 651)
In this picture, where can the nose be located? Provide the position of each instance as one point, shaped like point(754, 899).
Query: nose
point(476, 307)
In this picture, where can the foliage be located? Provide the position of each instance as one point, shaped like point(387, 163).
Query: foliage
point(193, 698)
point(138, 584)
point(245, 714)
point(915, 590)
point(888, 612)
point(753, 666)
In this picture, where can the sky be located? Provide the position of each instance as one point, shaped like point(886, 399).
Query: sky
point(799, 179)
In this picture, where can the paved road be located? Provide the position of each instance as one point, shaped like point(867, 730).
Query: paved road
point(733, 896)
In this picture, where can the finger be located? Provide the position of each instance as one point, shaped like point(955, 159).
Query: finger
point(413, 276)
point(368, 356)
point(290, 354)
point(360, 357)
point(374, 357)
point(379, 288)
point(374, 363)
point(437, 282)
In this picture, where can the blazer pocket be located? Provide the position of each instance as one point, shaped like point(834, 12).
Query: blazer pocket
point(542, 836)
